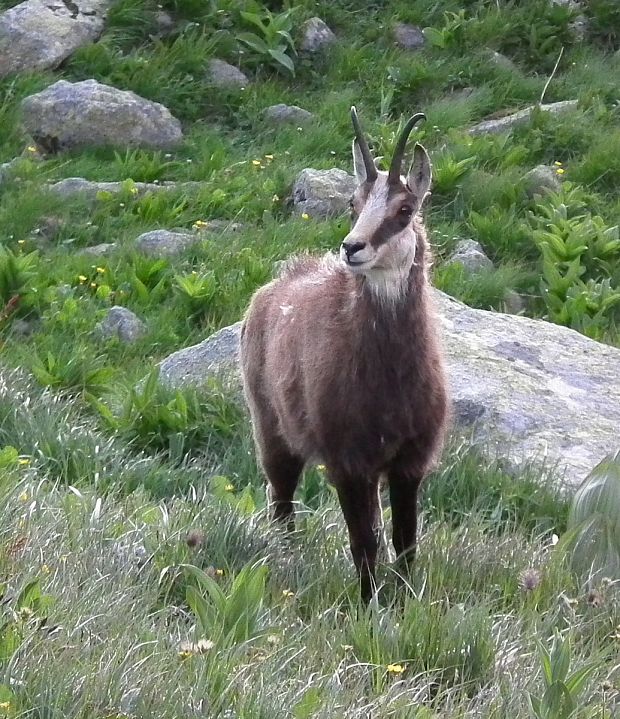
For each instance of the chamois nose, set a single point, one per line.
(350, 247)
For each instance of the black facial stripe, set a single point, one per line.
(388, 228)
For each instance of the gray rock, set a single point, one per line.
(471, 256)
(39, 34)
(223, 74)
(193, 366)
(72, 186)
(101, 250)
(526, 390)
(122, 323)
(284, 114)
(409, 37)
(164, 243)
(86, 114)
(517, 119)
(316, 35)
(323, 193)
(542, 179)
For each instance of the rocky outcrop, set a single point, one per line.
(517, 119)
(525, 390)
(86, 114)
(38, 34)
(323, 193)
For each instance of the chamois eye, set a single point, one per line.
(405, 210)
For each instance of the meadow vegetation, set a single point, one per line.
(138, 573)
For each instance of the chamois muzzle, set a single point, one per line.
(369, 165)
(399, 152)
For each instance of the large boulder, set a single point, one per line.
(517, 119)
(525, 390)
(38, 34)
(85, 114)
(408, 37)
(193, 366)
(323, 193)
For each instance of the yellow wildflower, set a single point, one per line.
(24, 497)
(31, 148)
(82, 278)
(185, 654)
(5, 706)
(287, 593)
(395, 668)
(21, 242)
(219, 572)
(256, 163)
(269, 157)
(229, 487)
(93, 284)
(134, 190)
(25, 613)
(23, 461)
(45, 569)
(275, 198)
(100, 270)
(320, 467)
(557, 163)
(199, 224)
(560, 171)
(305, 216)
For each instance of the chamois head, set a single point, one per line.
(382, 242)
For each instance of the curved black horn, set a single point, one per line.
(369, 165)
(399, 152)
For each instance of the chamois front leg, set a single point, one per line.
(404, 502)
(359, 499)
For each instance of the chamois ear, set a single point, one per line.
(419, 176)
(358, 164)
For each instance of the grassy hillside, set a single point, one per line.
(138, 573)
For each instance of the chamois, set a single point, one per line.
(342, 365)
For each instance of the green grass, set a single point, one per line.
(116, 492)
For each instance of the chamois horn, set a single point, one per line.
(369, 165)
(399, 152)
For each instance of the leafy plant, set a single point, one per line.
(175, 421)
(73, 369)
(580, 279)
(273, 44)
(451, 34)
(562, 690)
(196, 291)
(593, 541)
(448, 172)
(228, 617)
(17, 272)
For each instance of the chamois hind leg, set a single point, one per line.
(283, 470)
(359, 499)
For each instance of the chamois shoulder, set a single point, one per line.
(306, 265)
